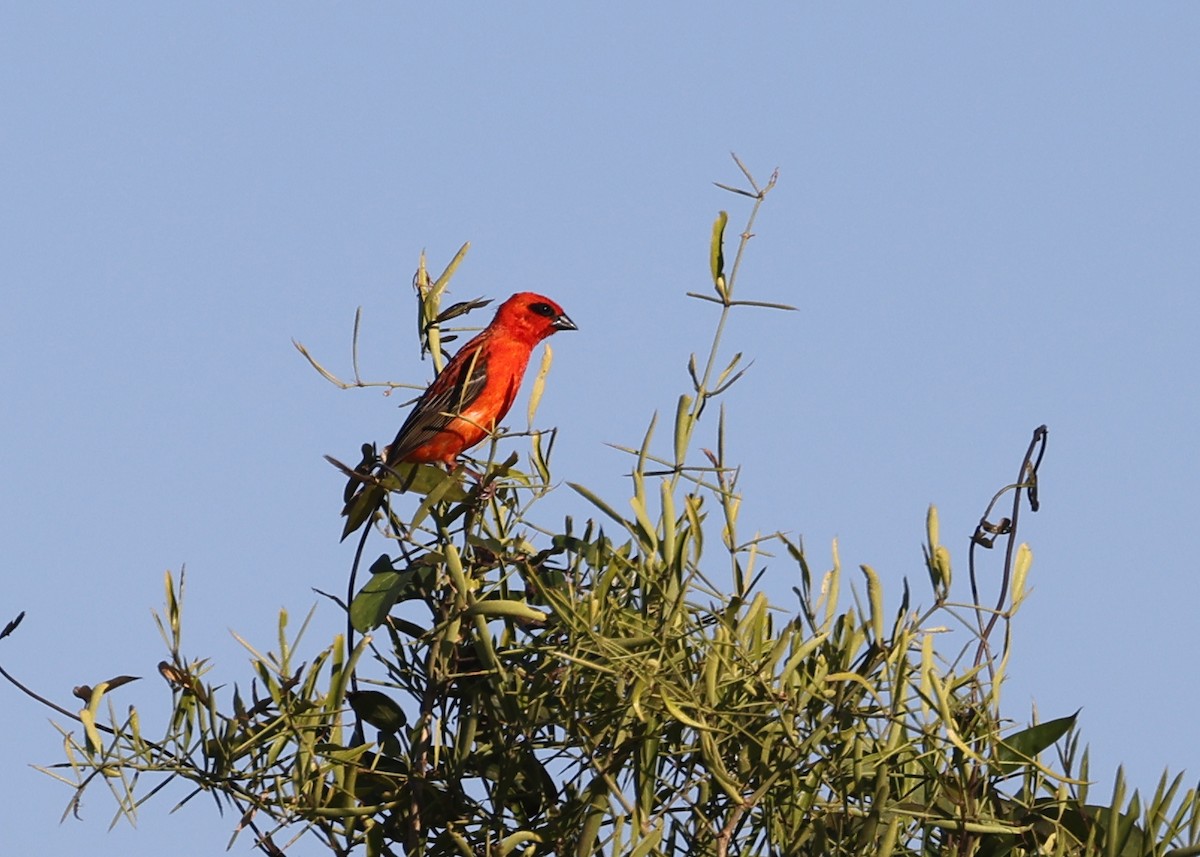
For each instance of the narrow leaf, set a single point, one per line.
(717, 254)
(684, 423)
(539, 383)
(875, 597)
(598, 503)
(444, 279)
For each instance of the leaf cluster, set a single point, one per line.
(623, 686)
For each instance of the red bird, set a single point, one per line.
(468, 398)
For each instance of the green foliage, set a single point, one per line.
(621, 686)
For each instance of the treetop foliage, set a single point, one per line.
(617, 683)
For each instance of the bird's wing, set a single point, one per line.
(452, 392)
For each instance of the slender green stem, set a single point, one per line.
(747, 233)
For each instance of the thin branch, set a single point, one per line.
(986, 531)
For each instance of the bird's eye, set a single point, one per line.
(544, 309)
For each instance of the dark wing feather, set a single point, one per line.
(452, 392)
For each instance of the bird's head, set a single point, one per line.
(532, 316)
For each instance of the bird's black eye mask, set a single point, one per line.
(544, 309)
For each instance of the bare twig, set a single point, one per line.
(987, 531)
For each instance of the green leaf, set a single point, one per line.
(595, 500)
(418, 478)
(448, 489)
(425, 479)
(374, 601)
(385, 589)
(378, 709)
(360, 508)
(88, 719)
(539, 383)
(684, 423)
(717, 253)
(875, 598)
(1018, 750)
(539, 457)
(506, 608)
(382, 565)
(443, 279)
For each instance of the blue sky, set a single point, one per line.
(986, 214)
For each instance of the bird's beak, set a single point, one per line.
(563, 322)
